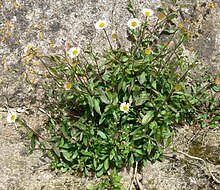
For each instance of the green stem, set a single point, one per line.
(45, 65)
(97, 66)
(108, 39)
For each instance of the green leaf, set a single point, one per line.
(167, 32)
(96, 106)
(154, 85)
(118, 160)
(140, 101)
(194, 89)
(88, 154)
(120, 84)
(63, 169)
(117, 179)
(30, 134)
(104, 99)
(124, 87)
(139, 151)
(55, 138)
(61, 143)
(64, 130)
(95, 162)
(124, 59)
(112, 154)
(75, 155)
(149, 147)
(56, 151)
(101, 134)
(115, 102)
(90, 102)
(67, 155)
(216, 88)
(213, 126)
(52, 70)
(99, 173)
(125, 97)
(153, 125)
(217, 118)
(142, 78)
(69, 97)
(21, 127)
(102, 119)
(148, 116)
(131, 160)
(106, 164)
(99, 167)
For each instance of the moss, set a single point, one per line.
(211, 153)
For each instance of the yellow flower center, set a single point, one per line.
(217, 81)
(101, 25)
(114, 36)
(178, 87)
(180, 25)
(147, 13)
(148, 51)
(134, 24)
(75, 52)
(13, 117)
(68, 86)
(125, 108)
(161, 16)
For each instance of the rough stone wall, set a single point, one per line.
(47, 25)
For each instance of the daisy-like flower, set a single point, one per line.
(124, 107)
(161, 16)
(180, 25)
(148, 51)
(67, 85)
(178, 87)
(12, 116)
(74, 52)
(147, 12)
(217, 81)
(101, 24)
(134, 23)
(114, 35)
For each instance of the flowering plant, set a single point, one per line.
(12, 116)
(117, 108)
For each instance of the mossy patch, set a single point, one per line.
(207, 152)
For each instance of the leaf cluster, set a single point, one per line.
(87, 130)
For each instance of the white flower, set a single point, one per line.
(12, 116)
(74, 52)
(124, 107)
(101, 24)
(147, 12)
(134, 23)
(67, 85)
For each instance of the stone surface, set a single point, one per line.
(47, 25)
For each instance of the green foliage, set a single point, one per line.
(89, 131)
(111, 181)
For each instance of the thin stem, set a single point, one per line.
(108, 39)
(97, 65)
(33, 131)
(174, 51)
(45, 65)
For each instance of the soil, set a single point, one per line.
(47, 25)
